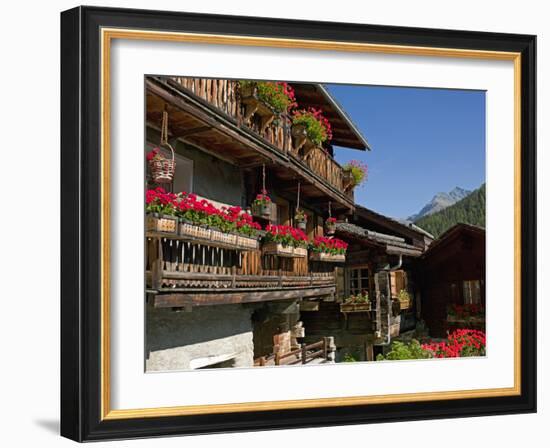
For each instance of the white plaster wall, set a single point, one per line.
(206, 335)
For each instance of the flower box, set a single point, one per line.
(347, 179)
(300, 139)
(222, 237)
(300, 252)
(355, 307)
(324, 256)
(216, 236)
(255, 106)
(273, 248)
(405, 304)
(189, 229)
(161, 223)
(247, 242)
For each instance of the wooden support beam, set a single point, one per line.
(188, 132)
(225, 298)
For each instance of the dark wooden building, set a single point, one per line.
(452, 273)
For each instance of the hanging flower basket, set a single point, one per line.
(330, 226)
(262, 205)
(155, 222)
(301, 219)
(261, 210)
(162, 169)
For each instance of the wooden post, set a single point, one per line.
(156, 265)
(277, 351)
(369, 351)
(234, 276)
(304, 353)
(325, 348)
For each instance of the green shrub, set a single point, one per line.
(400, 350)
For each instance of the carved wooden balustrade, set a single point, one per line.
(181, 265)
(223, 95)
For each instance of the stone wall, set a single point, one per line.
(210, 336)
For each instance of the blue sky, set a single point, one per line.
(423, 141)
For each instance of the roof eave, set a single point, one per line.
(353, 127)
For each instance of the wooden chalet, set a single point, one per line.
(450, 273)
(212, 304)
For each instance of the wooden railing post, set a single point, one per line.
(304, 353)
(277, 351)
(156, 268)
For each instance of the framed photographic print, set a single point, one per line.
(276, 224)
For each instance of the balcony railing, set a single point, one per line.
(175, 265)
(223, 95)
(316, 353)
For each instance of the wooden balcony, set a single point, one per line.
(209, 114)
(181, 273)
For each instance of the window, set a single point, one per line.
(358, 280)
(471, 291)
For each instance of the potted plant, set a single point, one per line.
(328, 249)
(267, 99)
(310, 129)
(354, 174)
(300, 218)
(160, 211)
(358, 303)
(404, 299)
(330, 226)
(284, 241)
(261, 206)
(161, 168)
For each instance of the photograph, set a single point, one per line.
(281, 223)
(303, 223)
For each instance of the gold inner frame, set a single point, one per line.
(107, 35)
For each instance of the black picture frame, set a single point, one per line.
(81, 224)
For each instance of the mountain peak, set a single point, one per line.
(459, 193)
(441, 201)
